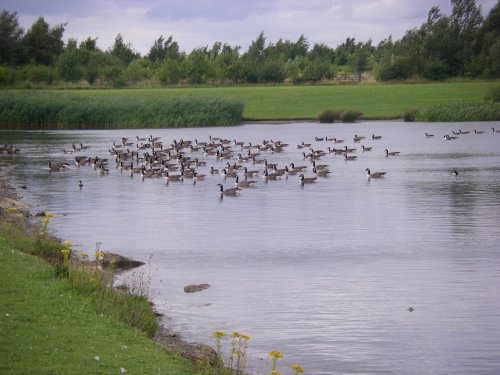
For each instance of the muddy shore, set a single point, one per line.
(11, 197)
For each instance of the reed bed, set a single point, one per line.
(457, 112)
(69, 110)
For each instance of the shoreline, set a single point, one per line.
(164, 337)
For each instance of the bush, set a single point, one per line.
(410, 115)
(436, 70)
(350, 116)
(328, 116)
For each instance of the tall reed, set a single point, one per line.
(456, 112)
(68, 110)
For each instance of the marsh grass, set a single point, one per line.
(37, 110)
(457, 112)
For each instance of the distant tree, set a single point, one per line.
(44, 44)
(89, 44)
(322, 52)
(124, 52)
(488, 45)
(11, 36)
(197, 67)
(361, 58)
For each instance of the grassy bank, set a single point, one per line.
(76, 110)
(50, 327)
(455, 112)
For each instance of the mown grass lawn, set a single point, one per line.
(375, 101)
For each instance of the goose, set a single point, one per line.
(463, 132)
(336, 151)
(57, 166)
(213, 170)
(454, 173)
(366, 148)
(321, 172)
(358, 138)
(102, 169)
(298, 168)
(495, 131)
(269, 165)
(349, 150)
(427, 135)
(376, 137)
(226, 173)
(230, 192)
(307, 180)
(393, 153)
(244, 184)
(80, 184)
(319, 166)
(270, 176)
(338, 140)
(249, 173)
(289, 172)
(82, 160)
(82, 147)
(375, 174)
(173, 177)
(478, 131)
(318, 139)
(198, 177)
(329, 139)
(448, 137)
(349, 158)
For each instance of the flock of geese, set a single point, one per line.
(242, 162)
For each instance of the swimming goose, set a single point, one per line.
(427, 135)
(366, 148)
(322, 172)
(298, 168)
(349, 150)
(319, 166)
(57, 166)
(478, 131)
(462, 132)
(198, 177)
(307, 180)
(230, 192)
(270, 176)
(454, 173)
(495, 131)
(226, 173)
(393, 153)
(173, 177)
(338, 140)
(318, 139)
(80, 184)
(375, 174)
(349, 158)
(448, 137)
(244, 184)
(376, 137)
(249, 173)
(213, 170)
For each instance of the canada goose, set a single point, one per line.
(57, 166)
(81, 160)
(244, 184)
(269, 165)
(80, 184)
(478, 131)
(302, 145)
(366, 148)
(319, 166)
(358, 138)
(173, 177)
(250, 173)
(427, 135)
(462, 132)
(318, 139)
(226, 173)
(393, 153)
(375, 174)
(321, 172)
(198, 177)
(349, 150)
(495, 131)
(289, 172)
(349, 158)
(338, 140)
(336, 151)
(307, 180)
(298, 168)
(230, 192)
(448, 137)
(270, 176)
(213, 170)
(454, 173)
(376, 137)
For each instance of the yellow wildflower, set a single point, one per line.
(218, 334)
(48, 214)
(244, 337)
(235, 334)
(275, 354)
(84, 255)
(274, 372)
(46, 220)
(297, 369)
(11, 209)
(99, 254)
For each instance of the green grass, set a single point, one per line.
(455, 112)
(49, 327)
(374, 101)
(136, 108)
(74, 110)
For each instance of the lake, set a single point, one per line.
(326, 272)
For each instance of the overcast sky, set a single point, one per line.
(196, 23)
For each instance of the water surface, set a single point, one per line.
(324, 273)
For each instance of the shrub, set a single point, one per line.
(328, 116)
(350, 116)
(410, 115)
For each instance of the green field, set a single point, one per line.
(375, 101)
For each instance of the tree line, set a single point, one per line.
(463, 44)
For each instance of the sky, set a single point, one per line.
(198, 23)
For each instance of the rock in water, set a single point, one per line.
(195, 288)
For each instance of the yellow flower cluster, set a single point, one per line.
(67, 243)
(237, 335)
(65, 252)
(84, 255)
(274, 372)
(297, 369)
(218, 334)
(49, 215)
(99, 255)
(275, 354)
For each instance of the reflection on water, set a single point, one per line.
(324, 272)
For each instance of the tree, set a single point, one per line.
(122, 51)
(44, 44)
(361, 58)
(11, 35)
(89, 44)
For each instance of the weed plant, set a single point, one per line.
(457, 112)
(37, 110)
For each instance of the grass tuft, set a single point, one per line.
(458, 112)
